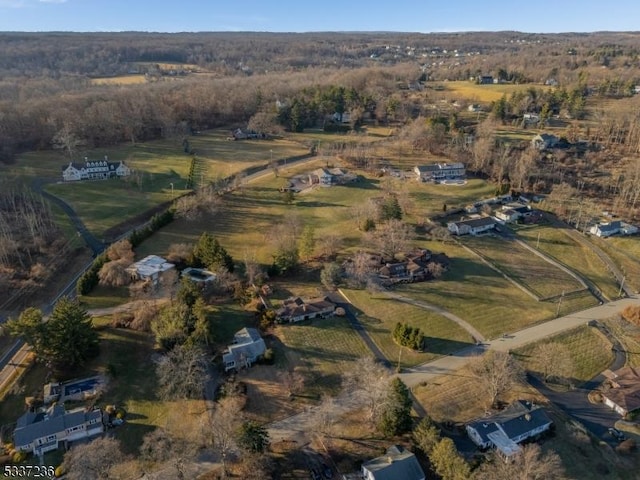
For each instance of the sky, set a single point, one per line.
(540, 16)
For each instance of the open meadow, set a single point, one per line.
(482, 297)
(555, 243)
(160, 173)
(485, 93)
(379, 315)
(589, 351)
(625, 252)
(321, 349)
(536, 274)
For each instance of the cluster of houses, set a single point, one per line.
(94, 170)
(437, 172)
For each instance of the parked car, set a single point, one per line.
(617, 434)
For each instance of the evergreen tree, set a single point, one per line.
(390, 209)
(396, 415)
(210, 254)
(447, 462)
(253, 437)
(308, 242)
(70, 338)
(29, 327)
(426, 435)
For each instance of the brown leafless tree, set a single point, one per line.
(497, 372)
(94, 460)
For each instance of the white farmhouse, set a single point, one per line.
(94, 170)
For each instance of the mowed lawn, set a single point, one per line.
(531, 271)
(161, 170)
(590, 353)
(574, 255)
(379, 314)
(323, 349)
(246, 218)
(625, 252)
(482, 297)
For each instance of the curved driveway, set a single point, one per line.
(92, 242)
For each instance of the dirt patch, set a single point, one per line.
(267, 399)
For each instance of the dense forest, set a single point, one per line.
(196, 81)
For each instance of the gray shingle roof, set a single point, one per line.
(515, 420)
(396, 464)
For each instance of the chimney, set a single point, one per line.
(106, 159)
(527, 417)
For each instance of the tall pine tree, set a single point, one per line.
(210, 254)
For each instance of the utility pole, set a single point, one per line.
(559, 304)
(621, 286)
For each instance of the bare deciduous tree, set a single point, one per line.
(161, 450)
(328, 245)
(292, 380)
(552, 360)
(115, 273)
(390, 238)
(94, 460)
(497, 372)
(529, 464)
(370, 381)
(182, 373)
(180, 252)
(121, 250)
(222, 430)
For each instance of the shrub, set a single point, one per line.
(19, 457)
(89, 279)
(631, 314)
(627, 446)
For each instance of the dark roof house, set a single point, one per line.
(396, 464)
(295, 309)
(624, 393)
(505, 430)
(41, 432)
(245, 350)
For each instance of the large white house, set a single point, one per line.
(149, 268)
(439, 171)
(94, 170)
(42, 432)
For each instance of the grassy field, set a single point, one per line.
(157, 166)
(629, 336)
(322, 348)
(486, 93)
(134, 79)
(625, 252)
(590, 353)
(579, 258)
(379, 314)
(479, 295)
(534, 273)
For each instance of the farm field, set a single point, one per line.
(590, 353)
(479, 295)
(579, 258)
(486, 93)
(133, 79)
(379, 315)
(322, 349)
(534, 273)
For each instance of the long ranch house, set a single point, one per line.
(94, 170)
